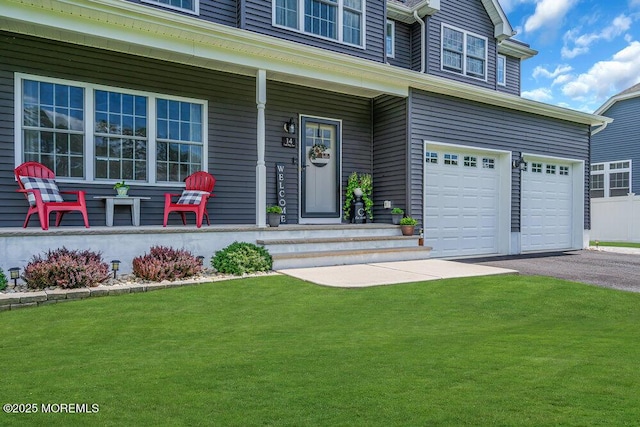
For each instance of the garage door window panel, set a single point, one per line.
(451, 159)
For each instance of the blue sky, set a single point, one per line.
(588, 50)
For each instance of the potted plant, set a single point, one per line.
(273, 215)
(407, 225)
(365, 184)
(122, 188)
(396, 215)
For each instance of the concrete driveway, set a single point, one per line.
(608, 269)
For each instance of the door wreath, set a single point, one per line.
(318, 155)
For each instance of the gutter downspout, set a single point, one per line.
(422, 40)
(599, 128)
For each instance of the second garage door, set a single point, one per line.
(462, 202)
(547, 205)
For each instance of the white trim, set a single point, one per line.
(302, 220)
(195, 11)
(504, 70)
(89, 142)
(503, 167)
(393, 38)
(465, 34)
(339, 24)
(578, 190)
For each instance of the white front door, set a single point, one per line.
(320, 171)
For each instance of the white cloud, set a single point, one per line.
(540, 94)
(634, 3)
(562, 79)
(540, 71)
(548, 13)
(606, 78)
(581, 43)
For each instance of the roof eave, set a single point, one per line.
(510, 48)
(135, 29)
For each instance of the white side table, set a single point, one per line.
(134, 202)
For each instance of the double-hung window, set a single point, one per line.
(341, 20)
(189, 6)
(100, 133)
(610, 179)
(464, 53)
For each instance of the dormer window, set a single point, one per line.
(464, 53)
(341, 20)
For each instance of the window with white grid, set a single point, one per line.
(464, 53)
(611, 179)
(340, 20)
(100, 133)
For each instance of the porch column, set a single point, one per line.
(261, 168)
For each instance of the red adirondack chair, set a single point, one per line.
(37, 183)
(199, 186)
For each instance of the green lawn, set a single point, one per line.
(616, 244)
(508, 350)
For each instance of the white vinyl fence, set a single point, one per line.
(616, 219)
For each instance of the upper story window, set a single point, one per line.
(390, 39)
(96, 133)
(190, 6)
(464, 53)
(341, 20)
(610, 179)
(501, 71)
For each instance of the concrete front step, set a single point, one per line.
(318, 244)
(297, 231)
(343, 257)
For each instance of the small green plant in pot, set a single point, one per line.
(408, 225)
(274, 213)
(396, 215)
(122, 188)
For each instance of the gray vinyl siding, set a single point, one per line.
(513, 76)
(443, 119)
(621, 139)
(403, 50)
(389, 155)
(416, 47)
(470, 16)
(232, 120)
(285, 101)
(219, 11)
(258, 18)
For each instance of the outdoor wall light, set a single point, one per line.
(14, 273)
(519, 164)
(115, 266)
(200, 259)
(290, 126)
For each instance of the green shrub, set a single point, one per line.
(163, 263)
(240, 257)
(274, 209)
(3, 280)
(66, 269)
(397, 211)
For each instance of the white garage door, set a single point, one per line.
(461, 203)
(546, 206)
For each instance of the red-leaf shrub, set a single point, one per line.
(66, 269)
(163, 263)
